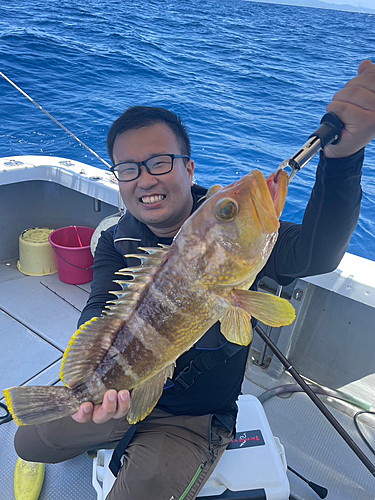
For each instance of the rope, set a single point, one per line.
(52, 118)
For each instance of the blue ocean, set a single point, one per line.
(250, 80)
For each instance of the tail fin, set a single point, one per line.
(38, 404)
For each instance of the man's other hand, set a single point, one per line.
(355, 106)
(115, 405)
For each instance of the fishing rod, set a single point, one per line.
(54, 119)
(328, 133)
(307, 389)
(120, 206)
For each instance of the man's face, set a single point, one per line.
(162, 202)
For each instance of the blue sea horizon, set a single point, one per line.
(250, 80)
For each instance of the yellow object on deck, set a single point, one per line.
(36, 254)
(28, 480)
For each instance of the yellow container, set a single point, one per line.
(37, 257)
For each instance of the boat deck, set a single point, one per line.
(38, 315)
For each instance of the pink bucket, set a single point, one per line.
(73, 254)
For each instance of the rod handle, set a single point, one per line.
(329, 131)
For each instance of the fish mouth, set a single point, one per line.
(152, 199)
(267, 196)
(278, 188)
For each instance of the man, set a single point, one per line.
(175, 449)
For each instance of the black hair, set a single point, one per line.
(142, 116)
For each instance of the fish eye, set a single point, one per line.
(226, 210)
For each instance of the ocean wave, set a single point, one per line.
(250, 80)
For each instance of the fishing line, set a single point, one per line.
(297, 377)
(54, 119)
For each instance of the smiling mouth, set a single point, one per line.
(150, 200)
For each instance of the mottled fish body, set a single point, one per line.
(173, 298)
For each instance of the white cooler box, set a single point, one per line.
(253, 467)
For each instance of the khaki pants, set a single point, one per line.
(169, 458)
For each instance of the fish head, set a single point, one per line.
(232, 234)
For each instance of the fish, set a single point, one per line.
(168, 302)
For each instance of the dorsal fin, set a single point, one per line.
(93, 339)
(153, 256)
(142, 275)
(86, 349)
(160, 249)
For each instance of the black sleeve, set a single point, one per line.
(107, 261)
(318, 244)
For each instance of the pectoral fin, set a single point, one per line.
(145, 396)
(236, 326)
(269, 309)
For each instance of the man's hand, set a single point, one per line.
(355, 106)
(115, 405)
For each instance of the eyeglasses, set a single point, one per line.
(156, 165)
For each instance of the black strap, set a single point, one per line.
(115, 463)
(206, 360)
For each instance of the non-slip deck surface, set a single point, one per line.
(38, 317)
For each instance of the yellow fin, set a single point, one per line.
(9, 403)
(93, 339)
(269, 309)
(87, 348)
(31, 405)
(236, 326)
(145, 396)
